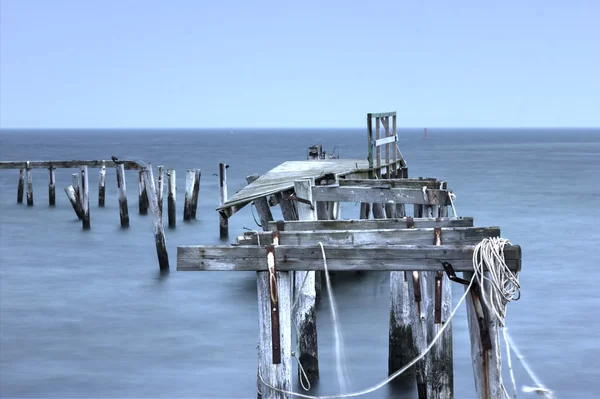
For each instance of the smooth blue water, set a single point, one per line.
(86, 314)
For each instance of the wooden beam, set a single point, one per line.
(385, 140)
(367, 224)
(422, 236)
(392, 183)
(339, 258)
(381, 114)
(380, 195)
(129, 165)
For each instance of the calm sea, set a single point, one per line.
(86, 314)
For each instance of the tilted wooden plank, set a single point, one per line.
(380, 195)
(342, 258)
(130, 165)
(374, 224)
(392, 183)
(385, 140)
(422, 236)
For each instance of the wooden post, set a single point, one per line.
(305, 315)
(85, 199)
(365, 210)
(485, 345)
(323, 211)
(20, 186)
(378, 211)
(51, 187)
(262, 206)
(102, 185)
(196, 192)
(157, 226)
(223, 220)
(190, 176)
(171, 197)
(29, 186)
(143, 194)
(74, 200)
(160, 189)
(121, 185)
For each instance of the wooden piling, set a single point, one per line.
(122, 186)
(73, 196)
(262, 206)
(160, 188)
(365, 210)
(143, 194)
(157, 226)
(190, 177)
(102, 185)
(75, 183)
(29, 185)
(223, 220)
(196, 192)
(85, 198)
(51, 187)
(20, 186)
(304, 281)
(378, 211)
(172, 197)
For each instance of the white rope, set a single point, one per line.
(452, 197)
(393, 376)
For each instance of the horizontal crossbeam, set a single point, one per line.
(385, 140)
(340, 258)
(380, 195)
(426, 236)
(381, 114)
(367, 224)
(130, 165)
(392, 183)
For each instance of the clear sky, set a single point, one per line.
(220, 63)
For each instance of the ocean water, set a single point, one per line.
(86, 314)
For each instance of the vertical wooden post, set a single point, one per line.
(51, 187)
(20, 186)
(172, 197)
(223, 220)
(75, 183)
(262, 206)
(85, 199)
(102, 185)
(365, 210)
(378, 148)
(122, 186)
(378, 211)
(73, 197)
(305, 315)
(323, 211)
(29, 186)
(196, 192)
(143, 194)
(157, 226)
(160, 189)
(190, 177)
(370, 139)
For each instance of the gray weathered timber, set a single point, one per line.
(143, 195)
(373, 224)
(487, 363)
(305, 316)
(122, 187)
(196, 192)
(172, 197)
(157, 226)
(378, 210)
(20, 186)
(127, 164)
(190, 178)
(262, 206)
(379, 195)
(102, 185)
(277, 375)
(414, 236)
(223, 219)
(84, 194)
(420, 314)
(365, 210)
(51, 187)
(414, 183)
(368, 257)
(401, 346)
(29, 185)
(160, 188)
(73, 199)
(288, 208)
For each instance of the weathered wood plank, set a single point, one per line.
(223, 219)
(381, 114)
(374, 224)
(309, 258)
(51, 187)
(190, 178)
(262, 206)
(29, 185)
(385, 140)
(157, 226)
(73, 199)
(430, 183)
(380, 195)
(143, 195)
(20, 186)
(415, 236)
(160, 188)
(172, 197)
(85, 198)
(70, 164)
(122, 187)
(102, 185)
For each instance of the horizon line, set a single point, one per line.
(285, 127)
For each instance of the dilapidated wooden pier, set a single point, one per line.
(422, 253)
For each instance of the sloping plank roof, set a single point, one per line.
(282, 178)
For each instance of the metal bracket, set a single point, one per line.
(275, 335)
(452, 274)
(293, 197)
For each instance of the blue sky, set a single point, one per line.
(185, 63)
